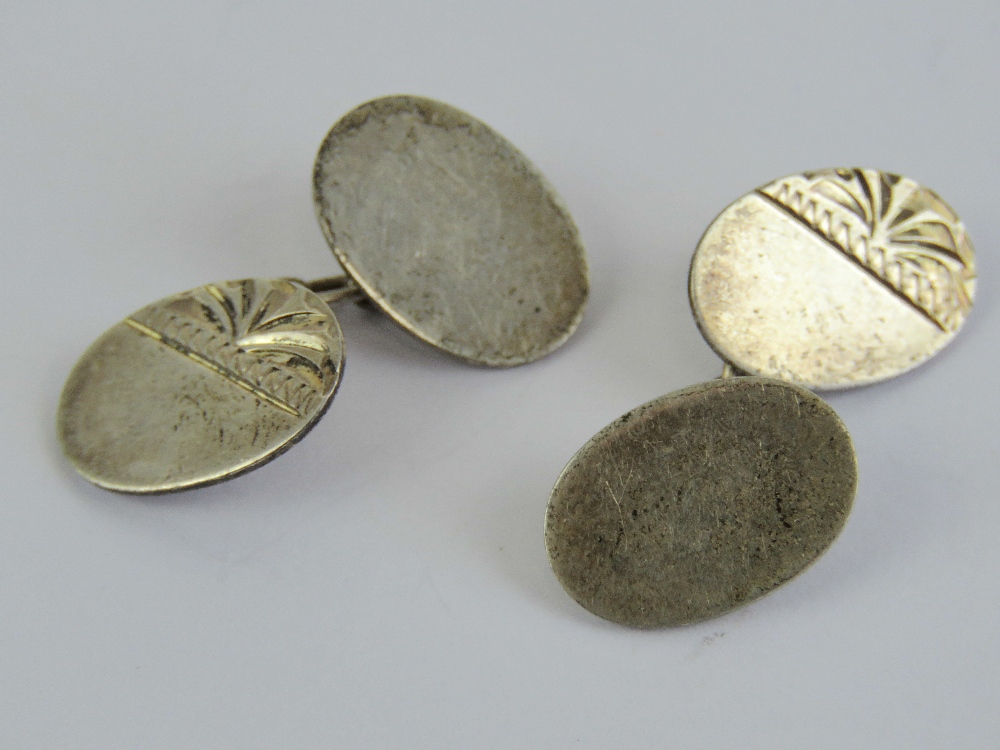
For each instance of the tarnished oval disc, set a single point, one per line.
(833, 279)
(700, 501)
(201, 386)
(451, 231)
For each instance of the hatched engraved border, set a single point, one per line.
(898, 232)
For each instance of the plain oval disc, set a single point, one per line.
(201, 386)
(833, 279)
(700, 501)
(451, 231)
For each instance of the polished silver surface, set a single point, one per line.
(201, 386)
(451, 231)
(833, 279)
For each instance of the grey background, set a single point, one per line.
(384, 584)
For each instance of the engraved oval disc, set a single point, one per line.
(833, 279)
(450, 230)
(201, 386)
(700, 501)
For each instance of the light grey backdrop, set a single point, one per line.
(385, 584)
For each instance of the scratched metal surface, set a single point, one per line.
(451, 231)
(833, 279)
(201, 386)
(385, 584)
(700, 501)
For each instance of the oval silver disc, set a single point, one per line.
(201, 386)
(833, 279)
(700, 501)
(451, 231)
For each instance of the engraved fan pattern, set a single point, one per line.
(898, 231)
(264, 336)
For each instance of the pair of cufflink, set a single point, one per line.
(685, 508)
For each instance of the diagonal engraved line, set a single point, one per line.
(215, 367)
(851, 257)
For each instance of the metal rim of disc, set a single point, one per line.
(450, 231)
(833, 279)
(201, 387)
(700, 502)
